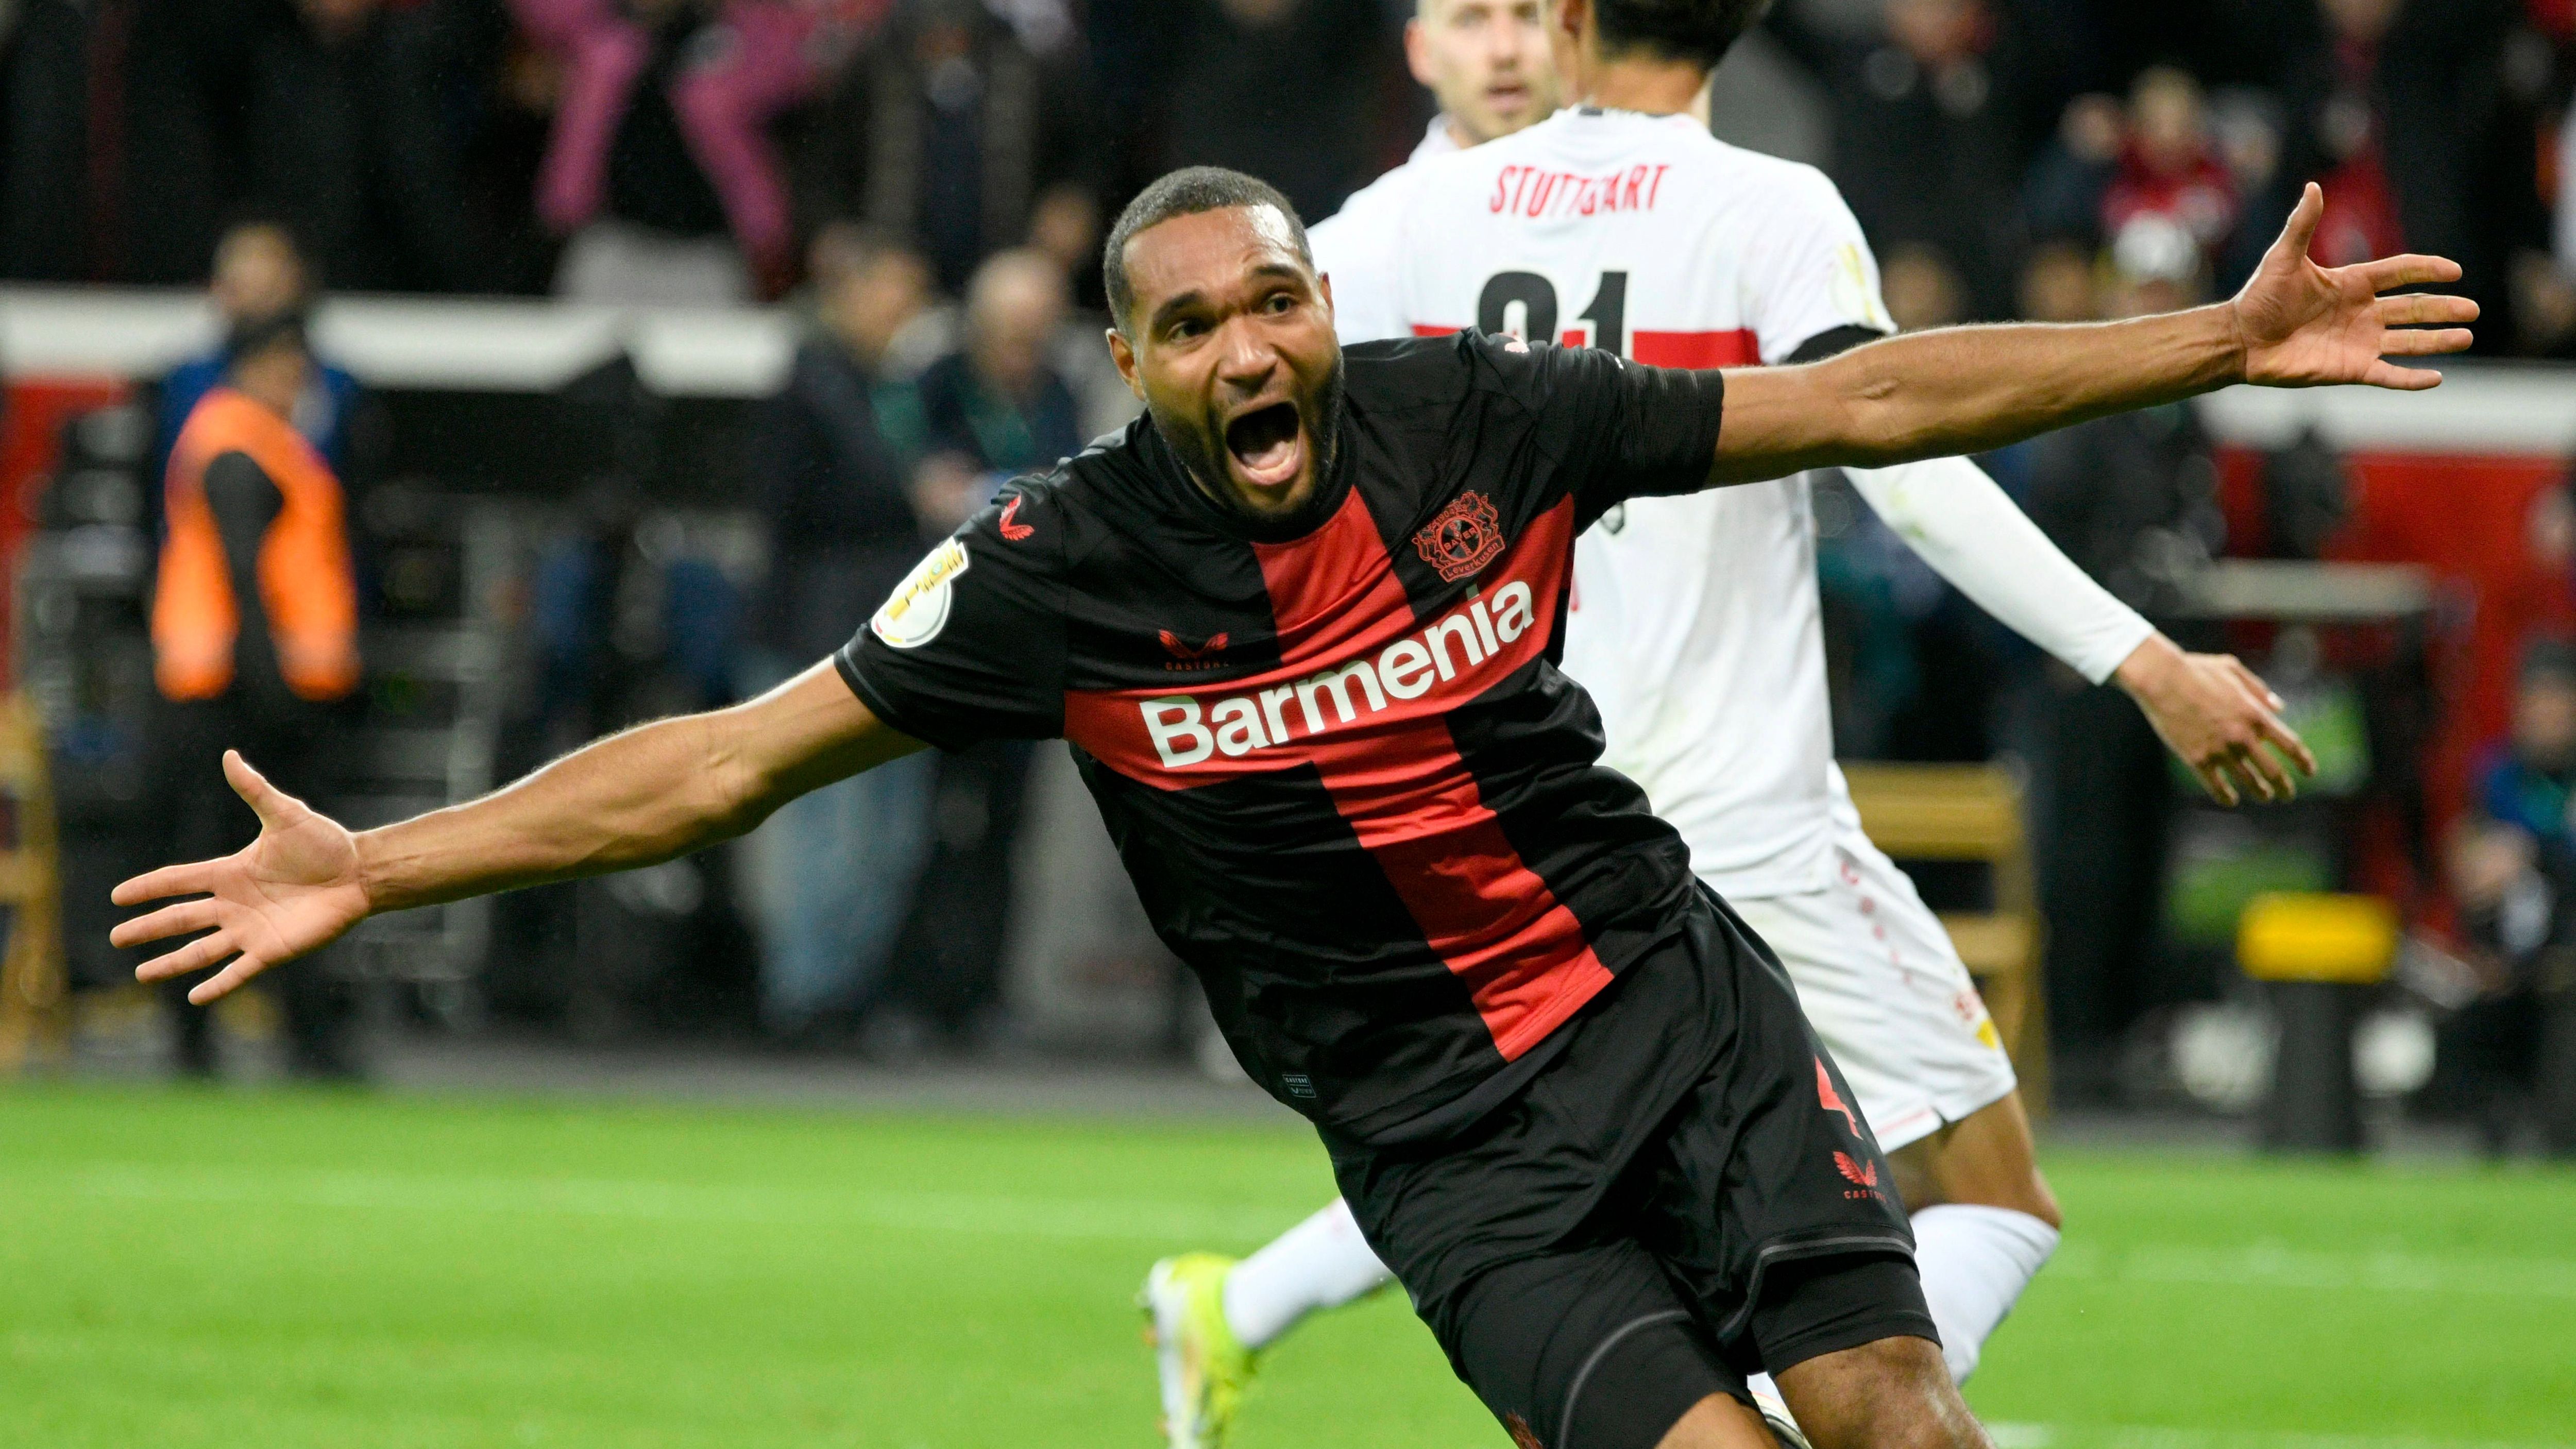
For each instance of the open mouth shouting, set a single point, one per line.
(1268, 446)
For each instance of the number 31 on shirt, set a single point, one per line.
(1524, 305)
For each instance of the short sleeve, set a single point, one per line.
(1357, 249)
(1616, 429)
(970, 646)
(1808, 270)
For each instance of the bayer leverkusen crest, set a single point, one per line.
(1466, 536)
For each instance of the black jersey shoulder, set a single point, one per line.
(1440, 374)
(1148, 581)
(1454, 377)
(1410, 371)
(1094, 492)
(1524, 425)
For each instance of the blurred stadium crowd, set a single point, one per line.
(925, 181)
(692, 149)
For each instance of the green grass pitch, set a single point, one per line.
(286, 1269)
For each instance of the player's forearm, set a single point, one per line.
(1964, 390)
(633, 799)
(1967, 389)
(1974, 536)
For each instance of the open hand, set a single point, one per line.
(294, 889)
(2304, 325)
(2218, 718)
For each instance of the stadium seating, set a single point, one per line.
(32, 993)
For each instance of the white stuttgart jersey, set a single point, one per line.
(1696, 624)
(1355, 245)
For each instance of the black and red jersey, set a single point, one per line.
(1354, 791)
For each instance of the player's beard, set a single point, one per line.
(1204, 453)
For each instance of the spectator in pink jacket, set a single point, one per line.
(661, 171)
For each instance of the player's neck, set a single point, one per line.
(1653, 87)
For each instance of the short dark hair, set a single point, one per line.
(1695, 30)
(1186, 192)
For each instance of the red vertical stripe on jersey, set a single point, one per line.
(1414, 804)
(1738, 348)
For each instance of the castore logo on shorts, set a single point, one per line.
(1862, 1175)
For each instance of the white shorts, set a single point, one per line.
(1884, 987)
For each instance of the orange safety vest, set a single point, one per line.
(306, 585)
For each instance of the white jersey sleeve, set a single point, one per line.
(1973, 535)
(1809, 273)
(1359, 250)
(1807, 269)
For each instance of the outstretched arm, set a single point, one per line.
(2209, 709)
(637, 798)
(1969, 389)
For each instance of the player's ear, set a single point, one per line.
(1417, 52)
(1324, 286)
(1571, 16)
(1124, 354)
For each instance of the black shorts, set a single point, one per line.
(1681, 1197)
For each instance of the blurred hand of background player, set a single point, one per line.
(2217, 716)
(2303, 325)
(294, 889)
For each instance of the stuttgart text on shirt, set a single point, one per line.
(1538, 191)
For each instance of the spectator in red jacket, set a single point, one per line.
(2170, 167)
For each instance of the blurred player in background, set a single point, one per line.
(1696, 624)
(260, 275)
(254, 637)
(1489, 65)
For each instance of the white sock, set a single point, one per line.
(1322, 1262)
(1975, 1261)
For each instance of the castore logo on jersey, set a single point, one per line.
(1189, 656)
(1014, 532)
(1832, 1100)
